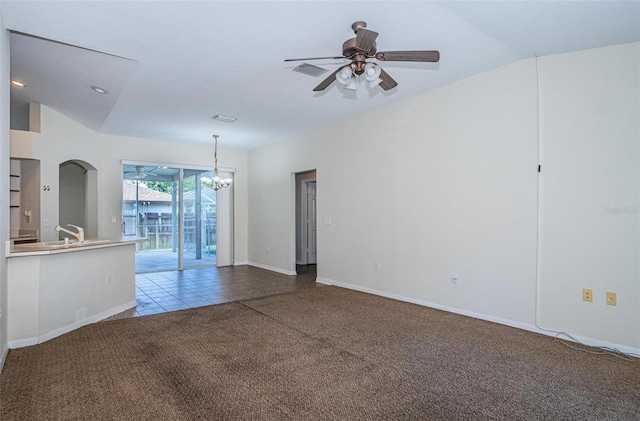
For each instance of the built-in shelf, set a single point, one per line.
(24, 190)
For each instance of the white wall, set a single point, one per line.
(443, 183)
(62, 139)
(4, 181)
(590, 185)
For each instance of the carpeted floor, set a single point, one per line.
(317, 354)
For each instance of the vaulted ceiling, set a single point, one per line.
(170, 66)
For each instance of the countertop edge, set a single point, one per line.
(123, 241)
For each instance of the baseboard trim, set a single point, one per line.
(272, 268)
(243, 263)
(511, 323)
(20, 343)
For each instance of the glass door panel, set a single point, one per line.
(149, 210)
(199, 220)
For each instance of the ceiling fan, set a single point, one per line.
(139, 174)
(362, 48)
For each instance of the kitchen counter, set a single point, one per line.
(54, 288)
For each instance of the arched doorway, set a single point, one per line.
(78, 196)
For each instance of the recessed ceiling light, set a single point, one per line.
(100, 90)
(18, 83)
(224, 118)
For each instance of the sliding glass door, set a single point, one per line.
(177, 213)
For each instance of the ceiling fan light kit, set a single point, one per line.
(362, 48)
(345, 77)
(372, 74)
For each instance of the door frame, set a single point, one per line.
(304, 228)
(297, 185)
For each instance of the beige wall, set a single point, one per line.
(590, 220)
(446, 183)
(62, 139)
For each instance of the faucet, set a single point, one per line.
(79, 235)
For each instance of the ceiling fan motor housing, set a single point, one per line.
(349, 49)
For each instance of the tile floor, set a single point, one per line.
(161, 292)
(153, 261)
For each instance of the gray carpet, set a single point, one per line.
(317, 354)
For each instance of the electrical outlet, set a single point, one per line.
(108, 279)
(612, 298)
(454, 279)
(587, 294)
(377, 267)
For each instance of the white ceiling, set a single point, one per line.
(170, 66)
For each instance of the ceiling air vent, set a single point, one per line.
(310, 69)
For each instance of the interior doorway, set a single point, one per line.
(77, 197)
(306, 218)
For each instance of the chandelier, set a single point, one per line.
(217, 182)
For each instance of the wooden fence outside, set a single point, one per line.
(159, 229)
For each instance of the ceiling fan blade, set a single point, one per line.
(427, 56)
(328, 81)
(135, 176)
(365, 40)
(314, 58)
(387, 81)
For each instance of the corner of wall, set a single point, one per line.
(4, 175)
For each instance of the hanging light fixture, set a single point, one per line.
(217, 182)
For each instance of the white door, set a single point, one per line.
(312, 253)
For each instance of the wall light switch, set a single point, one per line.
(46, 222)
(327, 220)
(113, 219)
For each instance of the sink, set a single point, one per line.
(87, 243)
(42, 245)
(58, 244)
